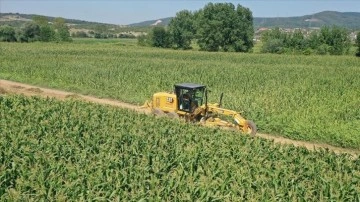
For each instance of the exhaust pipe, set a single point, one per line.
(206, 101)
(221, 97)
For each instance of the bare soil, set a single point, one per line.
(11, 87)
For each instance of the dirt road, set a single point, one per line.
(30, 90)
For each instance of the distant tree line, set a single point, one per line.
(37, 30)
(328, 40)
(358, 44)
(216, 27)
(224, 27)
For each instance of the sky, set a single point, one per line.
(123, 12)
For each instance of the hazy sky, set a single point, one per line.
(132, 11)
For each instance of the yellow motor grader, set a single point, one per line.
(189, 101)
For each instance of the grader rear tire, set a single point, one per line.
(251, 128)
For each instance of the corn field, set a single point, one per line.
(75, 151)
(313, 98)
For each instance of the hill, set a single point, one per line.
(162, 21)
(350, 20)
(18, 19)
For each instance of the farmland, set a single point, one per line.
(72, 150)
(313, 98)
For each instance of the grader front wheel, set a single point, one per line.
(249, 128)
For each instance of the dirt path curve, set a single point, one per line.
(30, 90)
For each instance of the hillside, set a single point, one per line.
(349, 20)
(18, 19)
(162, 21)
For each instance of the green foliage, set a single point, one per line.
(333, 41)
(30, 32)
(222, 27)
(7, 33)
(298, 41)
(99, 35)
(160, 37)
(126, 36)
(144, 40)
(62, 30)
(336, 38)
(322, 49)
(101, 28)
(312, 97)
(80, 34)
(307, 51)
(358, 44)
(275, 33)
(63, 34)
(217, 27)
(41, 30)
(75, 151)
(246, 31)
(273, 46)
(274, 41)
(101, 31)
(47, 33)
(40, 20)
(314, 40)
(182, 30)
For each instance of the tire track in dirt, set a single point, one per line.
(11, 87)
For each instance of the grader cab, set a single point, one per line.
(189, 101)
(189, 96)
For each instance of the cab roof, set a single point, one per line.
(189, 85)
